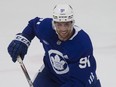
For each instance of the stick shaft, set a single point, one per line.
(25, 71)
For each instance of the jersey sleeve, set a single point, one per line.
(86, 43)
(29, 30)
(39, 27)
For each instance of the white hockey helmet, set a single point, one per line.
(63, 13)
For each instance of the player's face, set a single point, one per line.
(64, 30)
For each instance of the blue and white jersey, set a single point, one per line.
(67, 60)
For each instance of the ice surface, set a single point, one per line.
(96, 17)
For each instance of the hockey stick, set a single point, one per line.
(25, 71)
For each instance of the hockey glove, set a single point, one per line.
(18, 47)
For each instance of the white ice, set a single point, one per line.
(96, 17)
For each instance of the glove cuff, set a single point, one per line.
(23, 40)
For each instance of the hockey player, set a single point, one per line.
(68, 60)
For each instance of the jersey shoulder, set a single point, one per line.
(83, 38)
(45, 23)
(38, 20)
(43, 27)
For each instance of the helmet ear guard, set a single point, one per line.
(63, 13)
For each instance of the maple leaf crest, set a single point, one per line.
(57, 62)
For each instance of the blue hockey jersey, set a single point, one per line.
(70, 60)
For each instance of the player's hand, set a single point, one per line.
(18, 47)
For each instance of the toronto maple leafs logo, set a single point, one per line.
(58, 62)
